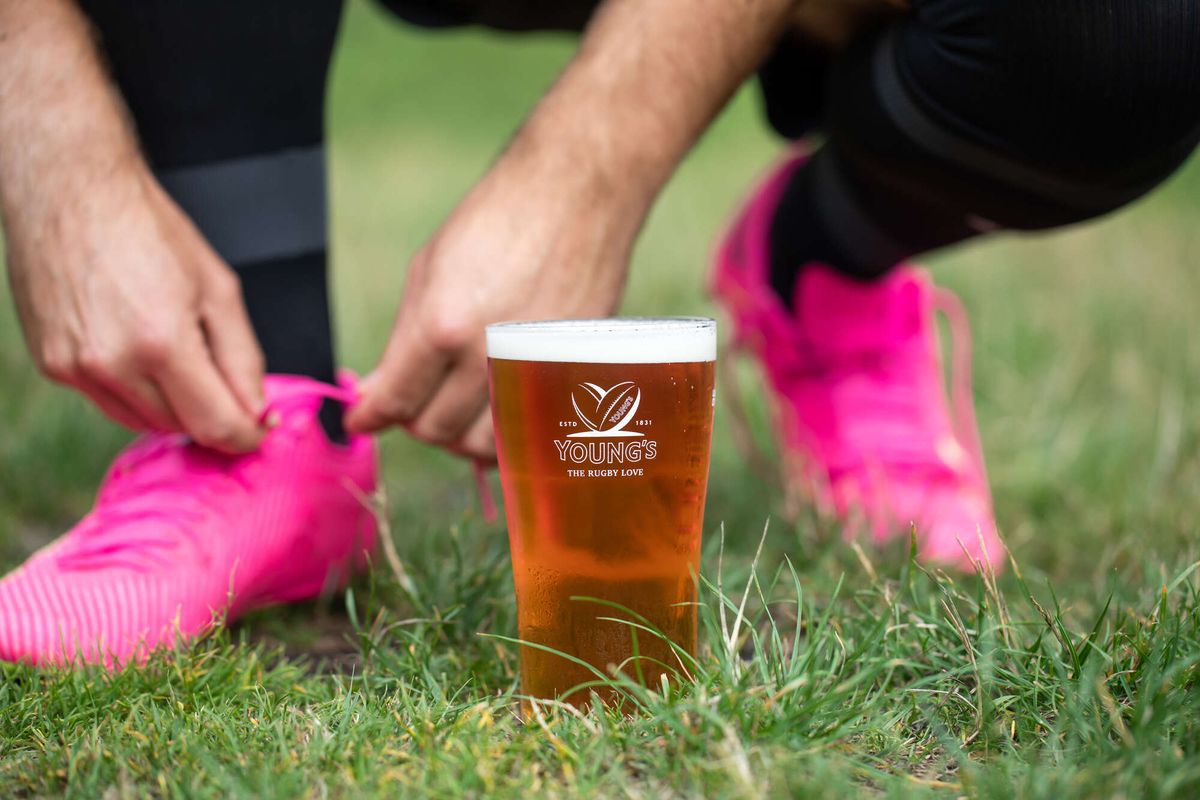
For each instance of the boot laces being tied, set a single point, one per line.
(136, 490)
(181, 535)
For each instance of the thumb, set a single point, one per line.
(233, 345)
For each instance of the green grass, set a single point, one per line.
(846, 674)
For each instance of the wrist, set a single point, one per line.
(64, 129)
(83, 180)
(585, 170)
(72, 204)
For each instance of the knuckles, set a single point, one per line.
(225, 287)
(146, 353)
(151, 351)
(97, 364)
(57, 364)
(450, 333)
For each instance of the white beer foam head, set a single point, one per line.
(617, 340)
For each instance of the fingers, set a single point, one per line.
(112, 406)
(479, 442)
(458, 403)
(235, 349)
(114, 380)
(204, 404)
(171, 383)
(166, 389)
(147, 400)
(409, 373)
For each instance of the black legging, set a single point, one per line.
(961, 117)
(972, 115)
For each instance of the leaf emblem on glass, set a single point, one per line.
(606, 410)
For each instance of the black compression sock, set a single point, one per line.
(854, 222)
(288, 302)
(797, 235)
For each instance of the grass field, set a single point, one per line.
(1075, 676)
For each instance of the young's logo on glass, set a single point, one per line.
(606, 413)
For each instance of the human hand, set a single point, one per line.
(547, 233)
(526, 243)
(120, 297)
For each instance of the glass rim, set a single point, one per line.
(623, 325)
(616, 340)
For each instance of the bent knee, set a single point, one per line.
(1080, 87)
(1045, 113)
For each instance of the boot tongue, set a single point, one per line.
(839, 316)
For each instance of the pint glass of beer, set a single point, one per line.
(603, 430)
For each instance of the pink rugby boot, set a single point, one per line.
(856, 376)
(181, 535)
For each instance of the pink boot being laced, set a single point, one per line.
(856, 376)
(180, 536)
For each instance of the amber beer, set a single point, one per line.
(603, 430)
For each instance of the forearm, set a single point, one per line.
(62, 123)
(649, 77)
